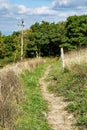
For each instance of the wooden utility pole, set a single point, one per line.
(22, 42)
(62, 57)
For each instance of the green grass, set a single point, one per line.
(73, 86)
(33, 109)
(5, 61)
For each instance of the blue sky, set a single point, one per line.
(12, 11)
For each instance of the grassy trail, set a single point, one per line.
(42, 110)
(35, 107)
(57, 117)
(67, 84)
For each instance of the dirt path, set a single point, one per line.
(57, 117)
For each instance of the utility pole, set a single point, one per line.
(22, 42)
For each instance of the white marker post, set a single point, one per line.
(62, 57)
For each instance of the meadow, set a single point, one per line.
(71, 83)
(22, 105)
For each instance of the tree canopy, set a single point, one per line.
(45, 39)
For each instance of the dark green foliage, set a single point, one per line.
(45, 39)
(8, 46)
(77, 30)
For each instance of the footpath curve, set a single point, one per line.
(57, 117)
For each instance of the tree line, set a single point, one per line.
(45, 39)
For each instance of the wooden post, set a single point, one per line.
(62, 57)
(37, 54)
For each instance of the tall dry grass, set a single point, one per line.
(10, 96)
(11, 91)
(76, 58)
(19, 67)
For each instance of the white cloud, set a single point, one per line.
(59, 9)
(13, 10)
(69, 7)
(23, 10)
(43, 10)
(3, 4)
(60, 2)
(69, 3)
(10, 10)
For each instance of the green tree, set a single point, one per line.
(2, 46)
(8, 46)
(46, 38)
(77, 30)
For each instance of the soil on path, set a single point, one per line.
(57, 117)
